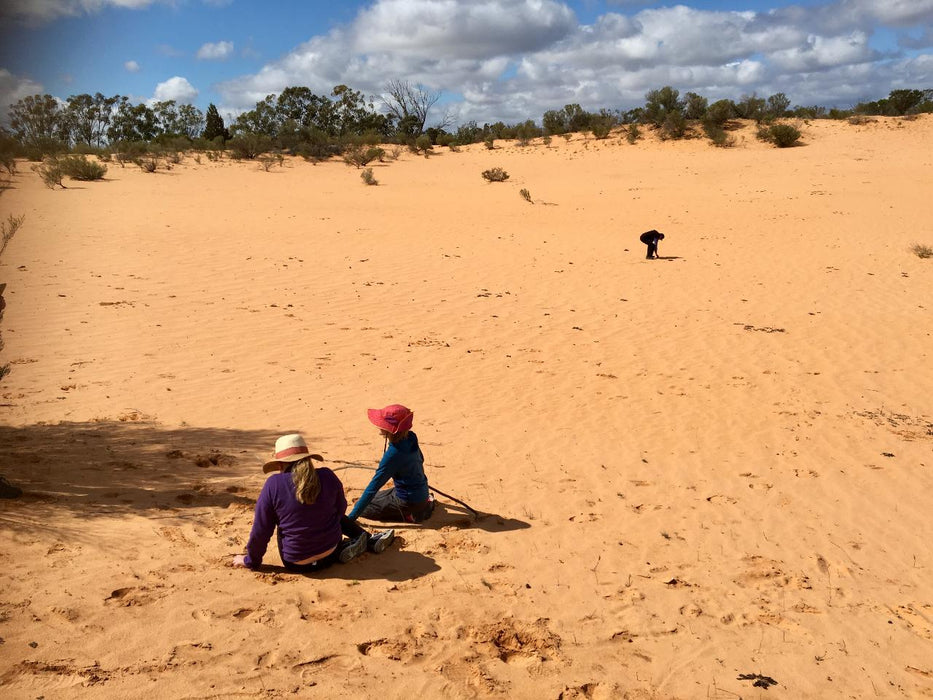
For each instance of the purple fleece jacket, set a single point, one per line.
(304, 530)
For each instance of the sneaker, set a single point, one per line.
(381, 540)
(355, 548)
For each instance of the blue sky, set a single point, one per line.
(493, 59)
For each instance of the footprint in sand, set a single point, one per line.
(392, 649)
(132, 595)
(175, 536)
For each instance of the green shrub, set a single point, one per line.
(78, 167)
(129, 151)
(423, 144)
(43, 147)
(784, 135)
(717, 135)
(490, 142)
(495, 175)
(247, 146)
(633, 133)
(361, 155)
(921, 251)
(368, 177)
(51, 173)
(674, 126)
(526, 195)
(546, 139)
(601, 128)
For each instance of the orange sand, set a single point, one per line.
(714, 464)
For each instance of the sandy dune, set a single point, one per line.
(694, 469)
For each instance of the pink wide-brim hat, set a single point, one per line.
(394, 419)
(289, 448)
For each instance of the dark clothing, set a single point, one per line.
(350, 528)
(387, 507)
(404, 464)
(651, 238)
(304, 530)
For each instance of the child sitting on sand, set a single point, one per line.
(409, 500)
(308, 507)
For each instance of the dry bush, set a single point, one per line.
(495, 175)
(267, 160)
(359, 156)
(368, 177)
(9, 228)
(51, 173)
(921, 251)
(148, 164)
(526, 195)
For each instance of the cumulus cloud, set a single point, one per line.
(511, 59)
(131, 66)
(463, 30)
(14, 88)
(177, 88)
(216, 51)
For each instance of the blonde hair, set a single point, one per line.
(307, 483)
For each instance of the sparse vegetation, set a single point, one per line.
(526, 195)
(51, 173)
(9, 228)
(149, 164)
(495, 175)
(360, 155)
(267, 160)
(490, 142)
(368, 177)
(922, 251)
(717, 135)
(633, 133)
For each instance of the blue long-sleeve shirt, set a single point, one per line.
(305, 530)
(404, 464)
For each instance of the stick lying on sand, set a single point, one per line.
(357, 465)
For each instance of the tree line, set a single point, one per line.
(300, 122)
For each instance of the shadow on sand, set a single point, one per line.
(106, 469)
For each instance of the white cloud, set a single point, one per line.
(216, 51)
(512, 59)
(177, 88)
(14, 88)
(131, 66)
(471, 30)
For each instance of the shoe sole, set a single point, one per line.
(383, 541)
(353, 549)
